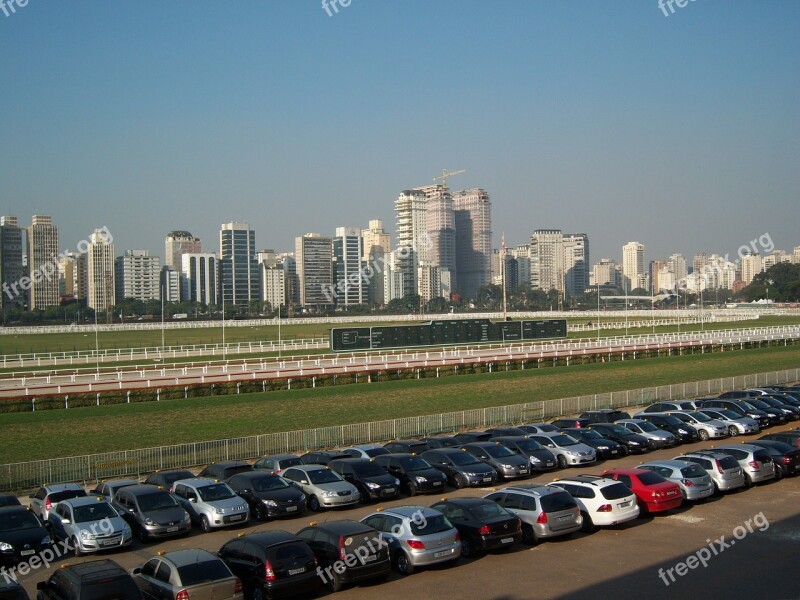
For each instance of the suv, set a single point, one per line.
(47, 497)
(184, 574)
(724, 469)
(540, 458)
(506, 463)
(21, 535)
(372, 481)
(225, 469)
(755, 461)
(211, 503)
(603, 502)
(151, 512)
(605, 415)
(272, 563)
(323, 488)
(685, 433)
(277, 463)
(88, 581)
(347, 552)
(89, 525)
(462, 469)
(418, 536)
(416, 474)
(545, 512)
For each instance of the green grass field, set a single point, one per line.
(46, 434)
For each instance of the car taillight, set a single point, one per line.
(754, 464)
(605, 508)
(519, 524)
(485, 530)
(415, 544)
(687, 483)
(277, 471)
(342, 552)
(458, 537)
(719, 466)
(787, 460)
(542, 518)
(237, 586)
(269, 572)
(658, 494)
(47, 505)
(182, 595)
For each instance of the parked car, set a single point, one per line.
(372, 481)
(47, 497)
(573, 423)
(322, 458)
(89, 580)
(440, 441)
(323, 488)
(567, 450)
(539, 428)
(539, 457)
(418, 536)
(759, 416)
(785, 457)
(366, 451)
(495, 432)
(272, 564)
(89, 524)
(277, 463)
(268, 496)
(684, 432)
(151, 512)
(605, 415)
(225, 469)
(724, 470)
(506, 463)
(335, 542)
(739, 394)
(656, 438)
(603, 502)
(11, 590)
(545, 512)
(416, 475)
(9, 500)
(604, 448)
(791, 437)
(633, 442)
(22, 535)
(792, 413)
(707, 428)
(662, 407)
(469, 437)
(777, 416)
(736, 423)
(462, 469)
(694, 482)
(482, 524)
(108, 489)
(406, 446)
(756, 462)
(184, 574)
(167, 477)
(210, 503)
(653, 492)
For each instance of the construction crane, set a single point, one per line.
(445, 174)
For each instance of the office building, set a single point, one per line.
(137, 276)
(176, 245)
(576, 263)
(314, 263)
(547, 260)
(377, 246)
(198, 276)
(412, 238)
(42, 262)
(12, 269)
(441, 233)
(100, 262)
(349, 267)
(239, 272)
(472, 211)
(633, 273)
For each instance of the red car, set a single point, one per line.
(654, 493)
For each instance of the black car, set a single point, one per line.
(462, 469)
(686, 433)
(495, 432)
(440, 441)
(406, 446)
(225, 469)
(791, 437)
(539, 457)
(372, 481)
(166, 478)
(633, 442)
(9, 500)
(741, 409)
(416, 475)
(604, 447)
(777, 416)
(785, 457)
(268, 495)
(92, 580)
(322, 457)
(272, 564)
(571, 423)
(482, 524)
(506, 463)
(605, 415)
(347, 552)
(11, 590)
(470, 437)
(791, 412)
(22, 534)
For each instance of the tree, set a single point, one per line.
(780, 282)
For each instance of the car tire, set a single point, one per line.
(258, 593)
(703, 435)
(76, 547)
(528, 535)
(313, 504)
(403, 564)
(562, 462)
(334, 583)
(748, 482)
(412, 489)
(732, 431)
(205, 524)
(467, 548)
(778, 473)
(141, 534)
(588, 526)
(459, 481)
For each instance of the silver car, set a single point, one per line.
(366, 451)
(736, 424)
(417, 535)
(567, 450)
(724, 470)
(694, 482)
(657, 438)
(323, 487)
(108, 489)
(89, 524)
(707, 427)
(183, 574)
(755, 461)
(211, 503)
(47, 497)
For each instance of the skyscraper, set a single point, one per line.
(412, 239)
(441, 230)
(11, 268)
(377, 245)
(176, 245)
(100, 261)
(348, 267)
(199, 277)
(633, 273)
(314, 262)
(576, 263)
(547, 260)
(42, 256)
(239, 273)
(138, 276)
(472, 210)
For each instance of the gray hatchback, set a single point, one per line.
(694, 482)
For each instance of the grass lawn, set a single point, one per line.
(46, 434)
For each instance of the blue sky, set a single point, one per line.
(607, 118)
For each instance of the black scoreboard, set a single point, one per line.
(444, 333)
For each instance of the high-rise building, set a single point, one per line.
(522, 254)
(547, 260)
(198, 276)
(441, 230)
(607, 273)
(412, 238)
(68, 275)
(273, 280)
(796, 255)
(576, 263)
(472, 211)
(239, 272)
(377, 246)
(82, 276)
(349, 267)
(177, 244)
(11, 267)
(42, 259)
(677, 265)
(138, 276)
(699, 261)
(100, 261)
(171, 284)
(289, 264)
(633, 273)
(775, 257)
(393, 278)
(751, 265)
(314, 261)
(654, 269)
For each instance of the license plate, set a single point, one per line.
(437, 483)
(613, 452)
(291, 508)
(506, 540)
(566, 518)
(523, 471)
(237, 517)
(370, 558)
(624, 504)
(27, 552)
(296, 571)
(109, 542)
(390, 490)
(441, 554)
(487, 479)
(550, 464)
(672, 493)
(171, 529)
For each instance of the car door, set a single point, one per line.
(37, 502)
(127, 508)
(146, 577)
(56, 520)
(161, 588)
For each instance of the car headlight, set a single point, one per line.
(571, 453)
(186, 517)
(87, 535)
(507, 466)
(150, 522)
(126, 531)
(634, 443)
(468, 474)
(46, 541)
(4, 547)
(270, 503)
(420, 479)
(372, 486)
(218, 510)
(397, 482)
(602, 447)
(534, 459)
(683, 432)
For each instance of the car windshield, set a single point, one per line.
(463, 459)
(415, 463)
(431, 525)
(266, 484)
(564, 440)
(615, 492)
(323, 476)
(487, 510)
(698, 416)
(672, 420)
(588, 434)
(203, 571)
(156, 501)
(499, 451)
(693, 471)
(369, 469)
(528, 446)
(647, 427)
(728, 462)
(757, 404)
(214, 492)
(18, 520)
(93, 512)
(373, 452)
(620, 430)
(650, 478)
(729, 414)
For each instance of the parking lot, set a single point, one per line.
(628, 561)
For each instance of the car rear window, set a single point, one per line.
(231, 471)
(762, 456)
(288, 552)
(615, 492)
(368, 470)
(431, 525)
(200, 572)
(290, 462)
(728, 462)
(110, 588)
(66, 495)
(488, 509)
(693, 471)
(558, 501)
(18, 521)
(650, 478)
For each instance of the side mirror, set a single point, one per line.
(193, 500)
(65, 522)
(137, 570)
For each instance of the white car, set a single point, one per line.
(567, 450)
(603, 502)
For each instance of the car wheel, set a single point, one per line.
(748, 481)
(205, 525)
(703, 435)
(76, 547)
(467, 548)
(403, 564)
(528, 536)
(732, 431)
(313, 503)
(588, 526)
(412, 489)
(460, 481)
(141, 533)
(258, 594)
(562, 462)
(334, 582)
(779, 473)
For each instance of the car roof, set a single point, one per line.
(195, 481)
(12, 509)
(510, 438)
(704, 453)
(60, 487)
(255, 474)
(281, 456)
(466, 501)
(595, 480)
(636, 421)
(269, 538)
(740, 446)
(405, 455)
(309, 467)
(537, 489)
(119, 480)
(190, 556)
(353, 460)
(674, 463)
(623, 471)
(450, 450)
(363, 447)
(411, 511)
(225, 464)
(341, 527)
(97, 568)
(491, 444)
(85, 501)
(143, 488)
